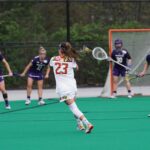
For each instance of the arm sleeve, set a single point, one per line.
(148, 59)
(113, 56)
(33, 61)
(128, 55)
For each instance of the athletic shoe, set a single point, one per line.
(113, 96)
(129, 95)
(27, 102)
(80, 126)
(148, 115)
(41, 102)
(8, 107)
(89, 128)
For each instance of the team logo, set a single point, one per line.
(124, 52)
(45, 61)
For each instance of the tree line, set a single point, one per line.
(24, 26)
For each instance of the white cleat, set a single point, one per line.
(27, 102)
(41, 102)
(80, 126)
(148, 115)
(129, 96)
(8, 107)
(89, 128)
(113, 96)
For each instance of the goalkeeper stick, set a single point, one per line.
(100, 54)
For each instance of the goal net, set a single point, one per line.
(137, 42)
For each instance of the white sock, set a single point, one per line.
(75, 110)
(85, 121)
(77, 119)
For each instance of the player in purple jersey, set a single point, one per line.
(123, 57)
(35, 73)
(146, 66)
(2, 82)
(145, 69)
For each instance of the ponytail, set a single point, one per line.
(68, 51)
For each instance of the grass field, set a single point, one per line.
(120, 124)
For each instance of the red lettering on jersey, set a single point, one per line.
(62, 68)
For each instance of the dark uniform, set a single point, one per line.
(1, 73)
(121, 56)
(36, 70)
(148, 59)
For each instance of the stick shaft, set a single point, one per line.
(110, 59)
(4, 76)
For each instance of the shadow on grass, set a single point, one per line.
(31, 107)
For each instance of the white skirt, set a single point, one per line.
(66, 89)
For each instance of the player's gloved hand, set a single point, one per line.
(127, 72)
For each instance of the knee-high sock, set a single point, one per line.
(75, 110)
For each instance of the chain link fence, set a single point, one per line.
(25, 25)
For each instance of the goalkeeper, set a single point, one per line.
(123, 57)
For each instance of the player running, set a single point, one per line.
(35, 73)
(2, 82)
(122, 56)
(146, 66)
(63, 67)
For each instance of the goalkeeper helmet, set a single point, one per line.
(118, 43)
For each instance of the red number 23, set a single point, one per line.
(61, 68)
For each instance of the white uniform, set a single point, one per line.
(66, 86)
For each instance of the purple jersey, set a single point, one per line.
(122, 57)
(1, 59)
(38, 65)
(148, 59)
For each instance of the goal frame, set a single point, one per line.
(110, 33)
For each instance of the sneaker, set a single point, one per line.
(8, 107)
(80, 126)
(89, 128)
(113, 96)
(27, 102)
(41, 102)
(148, 115)
(129, 95)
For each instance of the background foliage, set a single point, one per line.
(24, 26)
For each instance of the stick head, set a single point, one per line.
(99, 53)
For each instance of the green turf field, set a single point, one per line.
(120, 124)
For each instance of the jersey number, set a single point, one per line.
(39, 67)
(119, 60)
(61, 68)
